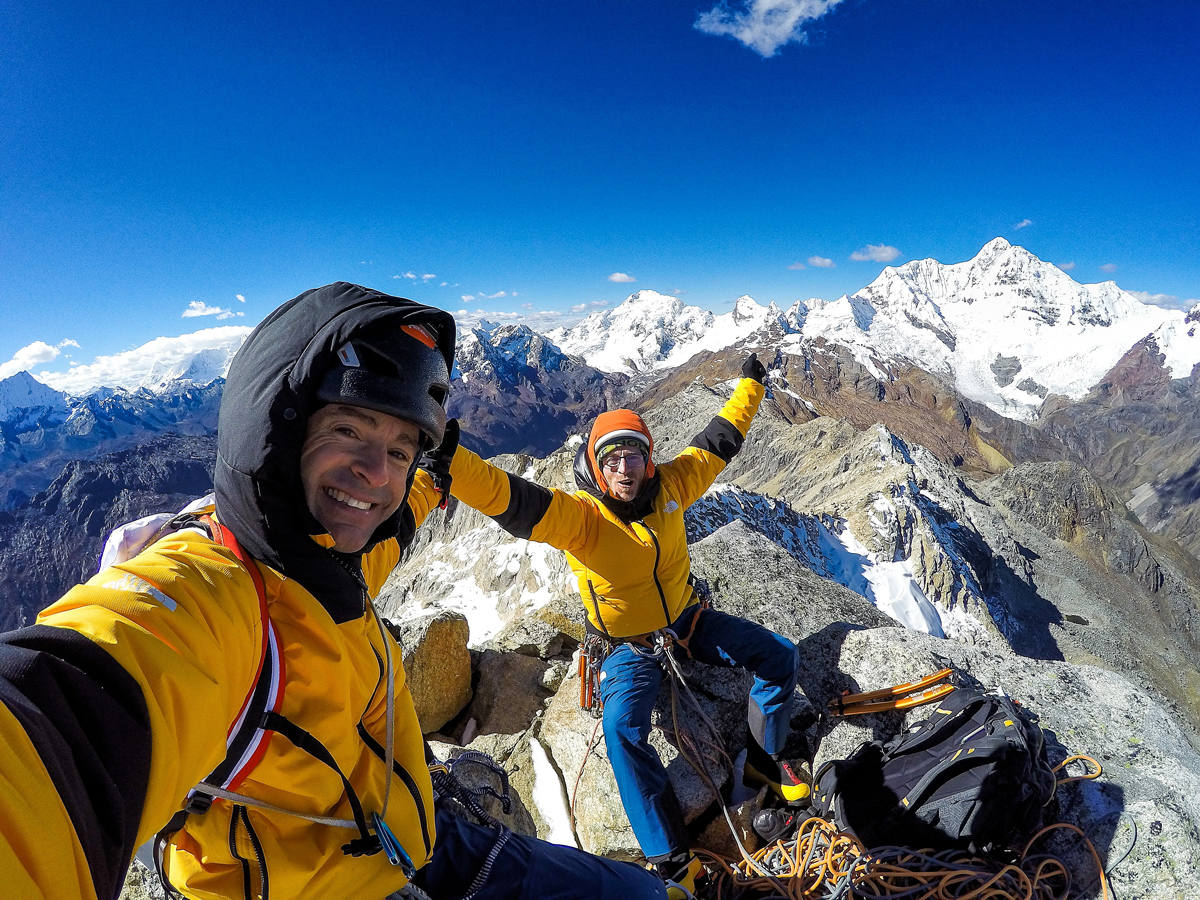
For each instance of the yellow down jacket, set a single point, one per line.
(633, 576)
(183, 619)
(120, 698)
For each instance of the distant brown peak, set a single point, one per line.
(1139, 375)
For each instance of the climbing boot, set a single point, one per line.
(792, 784)
(774, 824)
(680, 876)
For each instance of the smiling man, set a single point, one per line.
(354, 468)
(116, 707)
(624, 537)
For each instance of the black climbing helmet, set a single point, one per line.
(393, 369)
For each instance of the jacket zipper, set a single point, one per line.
(662, 596)
(241, 815)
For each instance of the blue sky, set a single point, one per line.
(157, 159)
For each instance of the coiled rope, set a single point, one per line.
(822, 863)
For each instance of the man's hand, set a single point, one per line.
(437, 461)
(752, 368)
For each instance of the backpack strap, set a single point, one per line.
(248, 735)
(247, 739)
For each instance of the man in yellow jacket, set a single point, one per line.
(236, 667)
(623, 533)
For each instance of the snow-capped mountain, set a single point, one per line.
(651, 331)
(42, 429)
(1005, 328)
(504, 351)
(514, 391)
(24, 400)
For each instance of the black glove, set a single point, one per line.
(752, 368)
(437, 461)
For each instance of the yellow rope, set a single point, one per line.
(1094, 770)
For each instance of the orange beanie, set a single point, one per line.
(617, 423)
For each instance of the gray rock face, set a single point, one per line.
(1138, 430)
(1077, 572)
(1029, 386)
(1005, 368)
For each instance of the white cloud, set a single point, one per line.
(1109, 267)
(621, 278)
(764, 25)
(241, 299)
(797, 266)
(821, 262)
(541, 320)
(1067, 266)
(588, 307)
(1024, 223)
(467, 298)
(428, 277)
(875, 253)
(158, 359)
(30, 355)
(1168, 301)
(496, 296)
(200, 308)
(68, 342)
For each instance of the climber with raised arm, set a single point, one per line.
(623, 533)
(250, 620)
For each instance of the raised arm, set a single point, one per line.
(697, 467)
(521, 507)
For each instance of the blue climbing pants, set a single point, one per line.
(524, 868)
(629, 684)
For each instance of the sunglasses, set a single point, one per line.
(613, 461)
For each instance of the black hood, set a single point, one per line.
(270, 392)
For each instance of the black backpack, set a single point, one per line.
(973, 775)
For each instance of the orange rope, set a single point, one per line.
(820, 860)
(578, 778)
